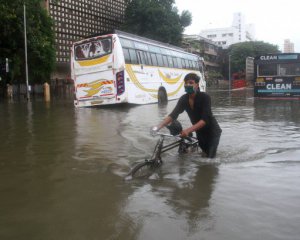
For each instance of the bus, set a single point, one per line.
(125, 68)
(277, 76)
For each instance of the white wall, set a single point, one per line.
(238, 32)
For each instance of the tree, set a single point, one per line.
(156, 19)
(240, 51)
(40, 39)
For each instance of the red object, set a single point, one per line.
(238, 80)
(241, 83)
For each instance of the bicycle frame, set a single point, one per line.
(145, 169)
(160, 148)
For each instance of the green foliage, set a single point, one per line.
(214, 75)
(240, 51)
(156, 19)
(186, 18)
(40, 39)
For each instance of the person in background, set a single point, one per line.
(198, 107)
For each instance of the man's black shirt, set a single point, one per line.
(201, 111)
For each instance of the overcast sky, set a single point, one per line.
(274, 20)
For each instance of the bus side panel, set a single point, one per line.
(144, 82)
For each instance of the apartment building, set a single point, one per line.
(288, 46)
(238, 32)
(210, 51)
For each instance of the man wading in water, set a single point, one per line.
(198, 107)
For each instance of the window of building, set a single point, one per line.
(212, 36)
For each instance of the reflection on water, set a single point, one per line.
(62, 169)
(179, 196)
(277, 111)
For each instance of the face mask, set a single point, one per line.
(189, 89)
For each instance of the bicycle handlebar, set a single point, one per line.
(190, 139)
(165, 135)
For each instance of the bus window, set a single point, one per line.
(154, 49)
(165, 60)
(187, 66)
(170, 61)
(133, 56)
(141, 46)
(160, 60)
(126, 55)
(141, 57)
(149, 62)
(179, 62)
(267, 70)
(126, 43)
(93, 49)
(154, 59)
(195, 65)
(183, 63)
(175, 62)
(164, 51)
(191, 64)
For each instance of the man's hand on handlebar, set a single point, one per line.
(184, 133)
(154, 130)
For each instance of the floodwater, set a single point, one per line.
(62, 173)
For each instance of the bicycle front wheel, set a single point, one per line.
(143, 169)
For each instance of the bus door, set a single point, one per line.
(93, 67)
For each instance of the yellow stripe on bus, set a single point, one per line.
(95, 86)
(169, 80)
(86, 63)
(171, 93)
(140, 86)
(135, 80)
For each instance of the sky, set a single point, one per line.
(274, 20)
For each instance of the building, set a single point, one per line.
(238, 32)
(210, 51)
(288, 46)
(77, 19)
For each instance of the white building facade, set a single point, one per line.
(288, 46)
(238, 32)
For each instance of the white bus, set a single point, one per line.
(125, 68)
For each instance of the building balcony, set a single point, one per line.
(210, 52)
(211, 64)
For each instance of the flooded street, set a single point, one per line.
(62, 173)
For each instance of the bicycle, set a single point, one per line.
(146, 168)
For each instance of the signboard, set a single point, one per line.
(277, 87)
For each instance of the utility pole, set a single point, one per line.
(229, 72)
(26, 64)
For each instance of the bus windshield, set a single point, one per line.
(282, 69)
(93, 49)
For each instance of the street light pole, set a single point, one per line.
(26, 64)
(229, 71)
